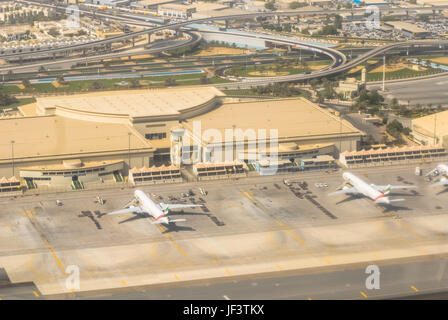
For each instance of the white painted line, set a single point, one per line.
(226, 297)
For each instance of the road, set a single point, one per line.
(178, 25)
(431, 90)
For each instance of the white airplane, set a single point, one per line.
(441, 169)
(355, 186)
(158, 211)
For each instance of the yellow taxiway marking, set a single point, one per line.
(376, 256)
(172, 241)
(414, 288)
(310, 299)
(72, 290)
(281, 224)
(228, 272)
(422, 250)
(363, 294)
(124, 283)
(328, 261)
(176, 277)
(30, 214)
(35, 293)
(1, 298)
(279, 267)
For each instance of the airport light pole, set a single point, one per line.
(12, 156)
(129, 150)
(384, 73)
(435, 125)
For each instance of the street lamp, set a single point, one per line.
(129, 150)
(12, 156)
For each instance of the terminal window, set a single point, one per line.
(155, 136)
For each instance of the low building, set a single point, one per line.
(392, 156)
(10, 187)
(208, 171)
(74, 173)
(154, 175)
(408, 29)
(267, 167)
(175, 10)
(432, 129)
(350, 88)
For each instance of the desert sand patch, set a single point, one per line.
(143, 56)
(390, 68)
(443, 60)
(355, 69)
(317, 67)
(58, 85)
(268, 73)
(220, 50)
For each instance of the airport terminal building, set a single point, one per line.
(99, 137)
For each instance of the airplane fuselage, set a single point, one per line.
(442, 169)
(364, 188)
(147, 204)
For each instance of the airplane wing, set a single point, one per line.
(382, 188)
(127, 210)
(440, 183)
(434, 172)
(166, 206)
(351, 190)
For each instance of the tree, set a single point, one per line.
(204, 80)
(270, 5)
(170, 82)
(26, 83)
(96, 85)
(6, 99)
(134, 83)
(60, 79)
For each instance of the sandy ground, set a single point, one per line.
(317, 67)
(390, 68)
(443, 60)
(269, 73)
(220, 50)
(58, 85)
(143, 56)
(355, 69)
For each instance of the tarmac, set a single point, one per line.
(247, 226)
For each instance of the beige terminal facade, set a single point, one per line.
(431, 130)
(78, 137)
